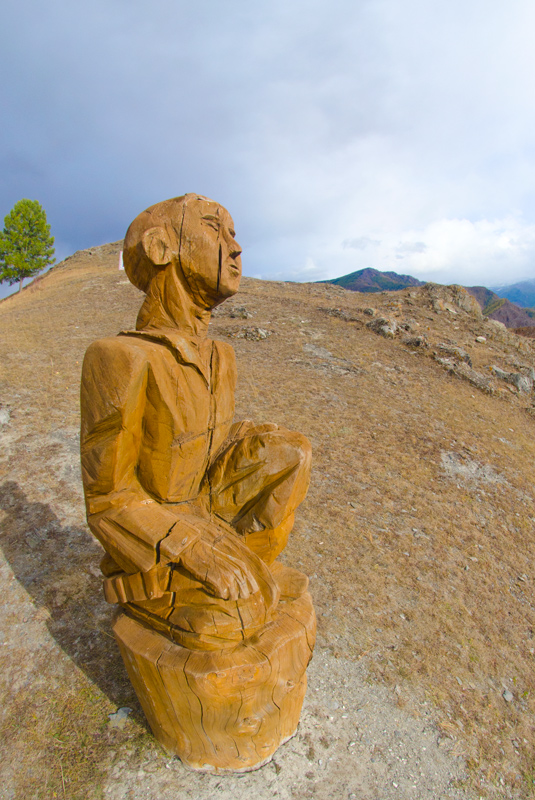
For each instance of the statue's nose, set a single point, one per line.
(235, 249)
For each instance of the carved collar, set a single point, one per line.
(194, 352)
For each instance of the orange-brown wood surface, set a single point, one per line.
(192, 508)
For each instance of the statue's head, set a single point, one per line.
(193, 236)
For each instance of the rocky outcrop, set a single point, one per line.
(451, 299)
(524, 383)
(384, 326)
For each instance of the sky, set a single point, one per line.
(340, 134)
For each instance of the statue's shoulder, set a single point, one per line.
(224, 349)
(116, 349)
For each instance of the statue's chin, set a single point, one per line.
(223, 294)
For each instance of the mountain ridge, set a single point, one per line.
(494, 306)
(522, 293)
(370, 280)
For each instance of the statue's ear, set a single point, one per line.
(157, 246)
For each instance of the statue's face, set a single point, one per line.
(209, 254)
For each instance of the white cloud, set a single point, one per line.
(405, 248)
(360, 243)
(484, 252)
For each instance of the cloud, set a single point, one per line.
(341, 134)
(405, 248)
(475, 252)
(445, 251)
(360, 243)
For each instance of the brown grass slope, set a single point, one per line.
(418, 531)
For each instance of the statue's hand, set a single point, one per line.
(216, 562)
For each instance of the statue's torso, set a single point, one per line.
(179, 404)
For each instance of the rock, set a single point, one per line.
(497, 324)
(463, 370)
(456, 352)
(370, 312)
(327, 362)
(321, 352)
(500, 373)
(523, 383)
(508, 696)
(475, 378)
(443, 297)
(250, 333)
(240, 312)
(383, 326)
(415, 341)
(234, 312)
(341, 313)
(5, 416)
(481, 339)
(120, 717)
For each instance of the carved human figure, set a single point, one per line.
(191, 508)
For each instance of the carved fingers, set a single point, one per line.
(219, 567)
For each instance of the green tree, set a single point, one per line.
(26, 246)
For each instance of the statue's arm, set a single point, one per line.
(122, 515)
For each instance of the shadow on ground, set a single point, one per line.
(53, 563)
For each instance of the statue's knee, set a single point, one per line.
(304, 447)
(296, 448)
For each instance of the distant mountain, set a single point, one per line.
(522, 293)
(501, 308)
(372, 280)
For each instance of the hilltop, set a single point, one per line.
(417, 534)
(372, 280)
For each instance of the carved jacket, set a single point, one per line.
(156, 407)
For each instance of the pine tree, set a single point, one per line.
(26, 246)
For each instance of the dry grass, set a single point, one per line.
(426, 573)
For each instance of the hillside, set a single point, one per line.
(501, 309)
(417, 534)
(372, 280)
(487, 299)
(512, 315)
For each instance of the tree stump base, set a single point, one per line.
(225, 710)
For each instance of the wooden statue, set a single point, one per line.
(192, 508)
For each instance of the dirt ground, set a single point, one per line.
(417, 535)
